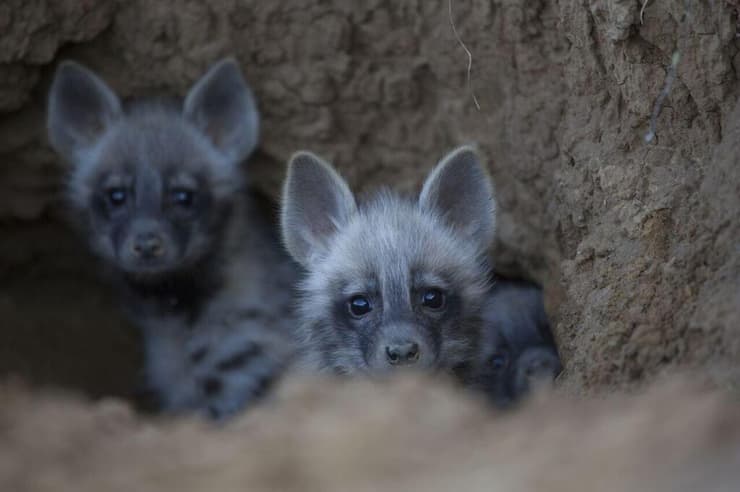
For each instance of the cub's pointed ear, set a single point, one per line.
(81, 108)
(316, 203)
(222, 106)
(460, 190)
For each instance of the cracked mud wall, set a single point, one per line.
(649, 231)
(636, 243)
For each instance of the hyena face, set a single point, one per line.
(391, 283)
(506, 374)
(153, 184)
(516, 349)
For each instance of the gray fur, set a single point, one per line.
(222, 107)
(391, 250)
(460, 189)
(516, 349)
(316, 203)
(81, 108)
(160, 194)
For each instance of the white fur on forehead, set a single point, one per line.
(390, 232)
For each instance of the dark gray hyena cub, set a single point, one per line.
(516, 349)
(159, 191)
(390, 282)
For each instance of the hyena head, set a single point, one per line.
(516, 349)
(506, 374)
(153, 185)
(391, 282)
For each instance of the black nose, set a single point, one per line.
(148, 245)
(402, 353)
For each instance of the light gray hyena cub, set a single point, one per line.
(516, 349)
(158, 189)
(390, 282)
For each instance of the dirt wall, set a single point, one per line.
(635, 242)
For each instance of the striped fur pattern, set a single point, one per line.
(158, 191)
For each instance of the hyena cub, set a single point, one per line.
(516, 349)
(159, 191)
(390, 282)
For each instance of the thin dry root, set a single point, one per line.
(467, 51)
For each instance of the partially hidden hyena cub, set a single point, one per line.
(158, 189)
(516, 349)
(390, 282)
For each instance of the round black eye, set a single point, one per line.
(184, 198)
(433, 299)
(117, 196)
(359, 306)
(499, 361)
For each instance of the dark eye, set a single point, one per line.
(182, 197)
(117, 196)
(499, 361)
(433, 299)
(359, 306)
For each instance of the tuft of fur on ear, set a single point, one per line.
(222, 107)
(460, 190)
(316, 203)
(81, 108)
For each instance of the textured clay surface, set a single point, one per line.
(635, 242)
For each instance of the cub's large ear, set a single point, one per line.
(222, 106)
(316, 203)
(460, 190)
(81, 108)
